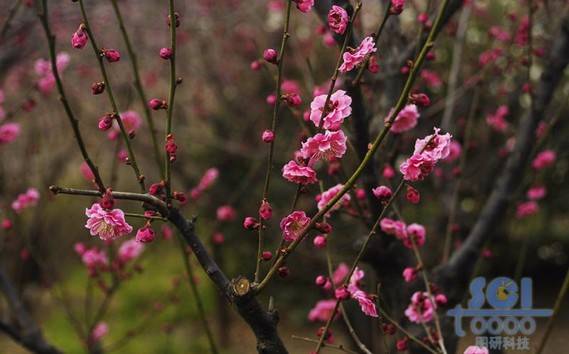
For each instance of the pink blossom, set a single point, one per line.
(338, 19)
(94, 259)
(79, 37)
(130, 250)
(322, 311)
(435, 146)
(131, 121)
(100, 330)
(265, 210)
(394, 227)
(382, 193)
(476, 350)
(454, 151)
(431, 78)
(327, 196)
(9, 132)
(396, 7)
(499, 33)
(406, 119)
(320, 241)
(526, 209)
(359, 55)
(416, 233)
(86, 171)
(497, 120)
(421, 309)
(296, 173)
(226, 213)
(145, 234)
(489, 56)
(209, 177)
(536, 192)
(367, 305)
(293, 224)
(388, 172)
(340, 274)
(412, 195)
(107, 224)
(544, 159)
(417, 167)
(339, 107)
(26, 200)
(166, 53)
(327, 146)
(409, 274)
(304, 5)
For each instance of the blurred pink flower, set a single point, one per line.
(293, 224)
(26, 200)
(544, 159)
(393, 227)
(338, 108)
(526, 209)
(130, 250)
(409, 274)
(406, 119)
(327, 196)
(417, 233)
(9, 132)
(145, 234)
(421, 309)
(226, 213)
(100, 330)
(322, 310)
(536, 192)
(431, 78)
(304, 5)
(476, 350)
(86, 171)
(497, 120)
(107, 224)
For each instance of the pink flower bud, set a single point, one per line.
(382, 193)
(420, 99)
(105, 122)
(341, 293)
(166, 53)
(79, 38)
(155, 188)
(171, 147)
(97, 88)
(266, 255)
(256, 65)
(145, 234)
(320, 241)
(180, 196)
(265, 210)
(413, 195)
(80, 248)
(293, 99)
(270, 55)
(283, 271)
(7, 224)
(112, 55)
(396, 7)
(320, 280)
(156, 104)
(441, 299)
(268, 136)
(271, 99)
(360, 193)
(323, 227)
(107, 201)
(401, 345)
(250, 223)
(217, 238)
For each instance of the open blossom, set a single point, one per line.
(415, 234)
(365, 301)
(421, 309)
(339, 107)
(417, 167)
(473, 349)
(544, 159)
(338, 19)
(497, 120)
(107, 224)
(322, 310)
(296, 173)
(9, 132)
(435, 146)
(25, 200)
(327, 196)
(304, 5)
(327, 146)
(393, 227)
(130, 250)
(340, 274)
(293, 224)
(406, 119)
(359, 55)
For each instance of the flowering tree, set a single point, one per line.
(379, 139)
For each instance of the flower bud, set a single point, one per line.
(270, 55)
(156, 104)
(320, 241)
(320, 280)
(97, 88)
(145, 234)
(268, 136)
(80, 37)
(266, 255)
(105, 122)
(383, 193)
(112, 55)
(166, 53)
(420, 99)
(265, 210)
(341, 293)
(250, 223)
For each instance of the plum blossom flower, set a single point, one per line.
(86, 171)
(393, 227)
(339, 107)
(26, 200)
(226, 213)
(338, 19)
(327, 196)
(544, 159)
(497, 120)
(296, 173)
(396, 7)
(417, 167)
(526, 209)
(293, 224)
(409, 274)
(100, 330)
(536, 192)
(340, 273)
(79, 37)
(473, 349)
(327, 146)
(129, 251)
(145, 234)
(42, 67)
(131, 121)
(322, 310)
(359, 55)
(304, 5)
(107, 224)
(367, 305)
(9, 132)
(431, 78)
(421, 308)
(435, 146)
(94, 259)
(406, 119)
(454, 151)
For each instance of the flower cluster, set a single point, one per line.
(26, 200)
(428, 151)
(408, 234)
